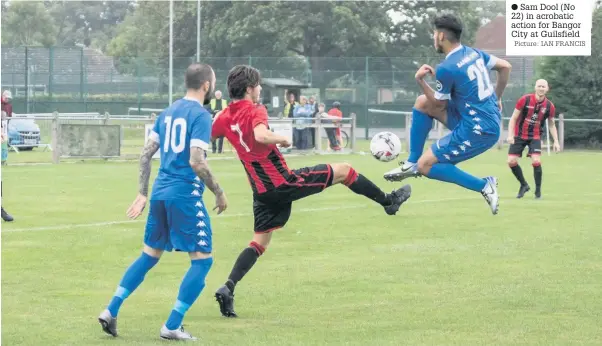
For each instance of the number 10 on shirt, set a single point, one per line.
(171, 135)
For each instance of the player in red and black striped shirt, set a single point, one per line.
(275, 186)
(526, 127)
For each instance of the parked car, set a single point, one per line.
(23, 133)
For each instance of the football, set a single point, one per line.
(385, 146)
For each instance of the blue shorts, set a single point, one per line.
(464, 142)
(181, 224)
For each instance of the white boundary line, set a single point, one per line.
(217, 217)
(302, 210)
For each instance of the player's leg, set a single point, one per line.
(220, 144)
(156, 240)
(190, 231)
(535, 154)
(5, 216)
(514, 152)
(439, 163)
(344, 173)
(423, 114)
(268, 218)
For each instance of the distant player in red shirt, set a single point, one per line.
(526, 128)
(275, 187)
(335, 111)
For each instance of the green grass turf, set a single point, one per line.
(444, 271)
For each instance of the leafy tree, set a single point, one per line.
(90, 23)
(27, 23)
(576, 88)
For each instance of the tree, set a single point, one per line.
(323, 32)
(89, 23)
(410, 40)
(27, 24)
(576, 88)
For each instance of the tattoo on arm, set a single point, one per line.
(201, 168)
(146, 157)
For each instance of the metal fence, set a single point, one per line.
(41, 135)
(133, 133)
(84, 80)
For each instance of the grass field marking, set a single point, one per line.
(302, 210)
(110, 223)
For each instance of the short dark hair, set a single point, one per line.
(240, 78)
(451, 25)
(197, 74)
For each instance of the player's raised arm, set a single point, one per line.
(440, 96)
(261, 132)
(264, 136)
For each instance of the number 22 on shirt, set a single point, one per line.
(480, 72)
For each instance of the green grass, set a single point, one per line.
(444, 271)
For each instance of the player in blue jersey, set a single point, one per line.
(466, 102)
(178, 219)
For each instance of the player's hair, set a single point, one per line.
(451, 25)
(197, 74)
(240, 78)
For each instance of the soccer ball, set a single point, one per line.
(385, 146)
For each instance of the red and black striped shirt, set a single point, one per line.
(533, 115)
(264, 164)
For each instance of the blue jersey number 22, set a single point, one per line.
(479, 71)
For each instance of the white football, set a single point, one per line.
(385, 146)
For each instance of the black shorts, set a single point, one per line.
(272, 209)
(519, 145)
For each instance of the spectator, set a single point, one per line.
(335, 111)
(314, 104)
(217, 104)
(5, 216)
(330, 131)
(302, 115)
(7, 107)
(289, 107)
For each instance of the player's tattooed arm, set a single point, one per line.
(146, 158)
(199, 165)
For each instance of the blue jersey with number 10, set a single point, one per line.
(463, 79)
(184, 124)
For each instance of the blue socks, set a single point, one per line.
(191, 287)
(452, 174)
(419, 132)
(131, 280)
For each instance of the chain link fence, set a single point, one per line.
(44, 80)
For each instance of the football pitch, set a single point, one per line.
(443, 271)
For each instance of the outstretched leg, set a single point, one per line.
(344, 174)
(272, 212)
(439, 163)
(423, 114)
